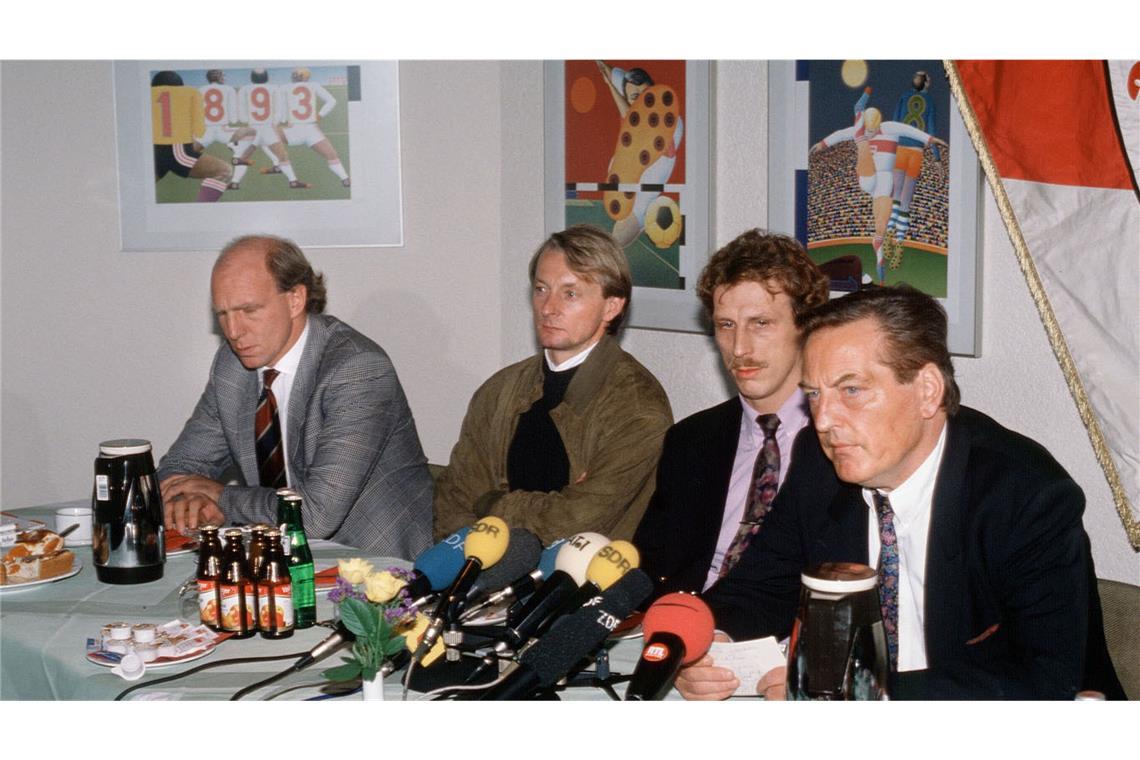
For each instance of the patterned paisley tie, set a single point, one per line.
(888, 574)
(765, 481)
(267, 429)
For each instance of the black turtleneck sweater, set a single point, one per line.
(536, 459)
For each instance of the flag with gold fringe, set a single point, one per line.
(1058, 141)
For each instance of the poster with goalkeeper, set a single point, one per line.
(257, 133)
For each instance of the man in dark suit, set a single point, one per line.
(985, 577)
(708, 496)
(298, 398)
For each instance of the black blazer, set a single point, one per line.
(678, 533)
(1011, 608)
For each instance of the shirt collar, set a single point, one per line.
(919, 487)
(570, 363)
(288, 364)
(792, 413)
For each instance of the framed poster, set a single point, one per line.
(209, 150)
(627, 149)
(871, 168)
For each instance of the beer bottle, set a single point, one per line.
(208, 574)
(274, 591)
(256, 550)
(300, 562)
(238, 601)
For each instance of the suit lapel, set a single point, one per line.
(945, 572)
(243, 410)
(303, 386)
(721, 456)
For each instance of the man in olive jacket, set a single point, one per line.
(566, 441)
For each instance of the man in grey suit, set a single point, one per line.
(298, 397)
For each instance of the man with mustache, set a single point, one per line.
(565, 441)
(721, 467)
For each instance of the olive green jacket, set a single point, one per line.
(612, 421)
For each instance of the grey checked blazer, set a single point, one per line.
(353, 453)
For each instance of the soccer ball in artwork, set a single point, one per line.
(663, 221)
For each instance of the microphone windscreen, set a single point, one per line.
(546, 562)
(580, 634)
(575, 555)
(487, 541)
(521, 557)
(685, 616)
(611, 562)
(442, 562)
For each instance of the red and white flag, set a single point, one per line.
(1059, 141)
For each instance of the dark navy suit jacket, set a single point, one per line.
(1011, 608)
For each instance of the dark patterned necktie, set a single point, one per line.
(267, 429)
(765, 481)
(888, 574)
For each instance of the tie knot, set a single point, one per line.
(882, 504)
(768, 423)
(268, 376)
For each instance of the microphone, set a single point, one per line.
(573, 638)
(484, 546)
(522, 556)
(678, 630)
(612, 561)
(523, 585)
(436, 568)
(570, 566)
(331, 643)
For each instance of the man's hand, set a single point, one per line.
(771, 684)
(191, 500)
(704, 680)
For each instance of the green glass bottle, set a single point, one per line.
(296, 545)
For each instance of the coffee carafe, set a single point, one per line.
(128, 540)
(838, 647)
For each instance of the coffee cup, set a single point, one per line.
(65, 517)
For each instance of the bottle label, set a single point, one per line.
(231, 607)
(282, 603)
(207, 603)
(102, 488)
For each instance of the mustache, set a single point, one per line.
(746, 364)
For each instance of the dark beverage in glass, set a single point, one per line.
(236, 589)
(838, 647)
(275, 591)
(208, 575)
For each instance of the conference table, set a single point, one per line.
(44, 631)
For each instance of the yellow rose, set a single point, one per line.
(354, 570)
(382, 587)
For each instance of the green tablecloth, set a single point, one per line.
(44, 629)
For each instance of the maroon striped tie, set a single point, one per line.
(267, 429)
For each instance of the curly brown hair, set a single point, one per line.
(774, 261)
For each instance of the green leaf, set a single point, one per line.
(393, 645)
(346, 672)
(358, 617)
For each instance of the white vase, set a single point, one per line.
(373, 691)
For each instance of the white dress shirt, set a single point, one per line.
(570, 363)
(911, 503)
(283, 387)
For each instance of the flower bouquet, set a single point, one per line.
(375, 608)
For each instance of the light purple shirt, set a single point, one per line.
(793, 417)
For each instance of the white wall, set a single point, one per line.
(97, 343)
